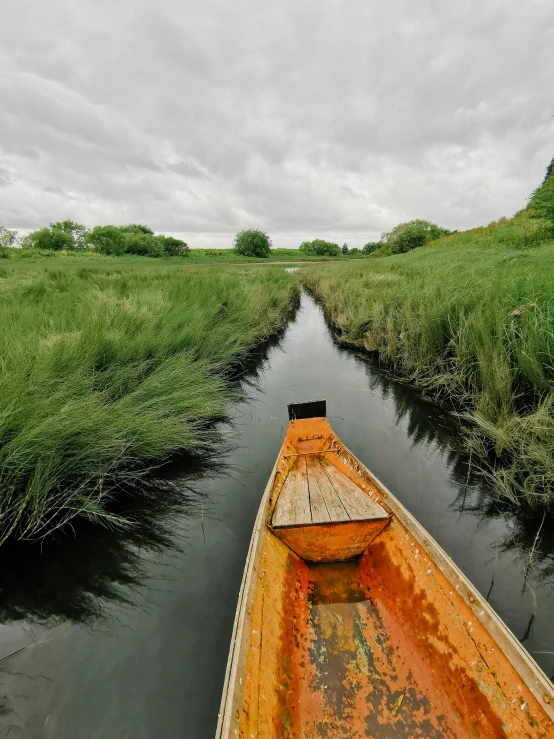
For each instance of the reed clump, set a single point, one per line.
(470, 320)
(108, 366)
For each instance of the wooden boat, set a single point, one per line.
(353, 622)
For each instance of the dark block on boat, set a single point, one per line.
(310, 409)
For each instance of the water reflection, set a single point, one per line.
(69, 577)
(126, 633)
(87, 576)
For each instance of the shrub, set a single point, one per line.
(7, 237)
(61, 236)
(320, 247)
(354, 250)
(411, 235)
(136, 242)
(49, 239)
(67, 235)
(141, 240)
(155, 246)
(76, 231)
(137, 228)
(370, 247)
(253, 243)
(108, 240)
(174, 247)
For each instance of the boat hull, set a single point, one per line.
(393, 643)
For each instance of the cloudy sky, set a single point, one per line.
(305, 118)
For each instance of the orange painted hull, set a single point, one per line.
(330, 542)
(396, 642)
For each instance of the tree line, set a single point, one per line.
(141, 240)
(113, 240)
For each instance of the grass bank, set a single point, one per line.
(108, 365)
(470, 320)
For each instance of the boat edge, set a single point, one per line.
(242, 618)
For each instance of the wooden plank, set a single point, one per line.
(284, 506)
(293, 505)
(320, 514)
(360, 507)
(337, 512)
(302, 510)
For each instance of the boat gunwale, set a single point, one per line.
(528, 670)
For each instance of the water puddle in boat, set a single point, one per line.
(126, 633)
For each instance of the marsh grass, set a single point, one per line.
(108, 366)
(470, 320)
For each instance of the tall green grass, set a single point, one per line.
(470, 319)
(110, 365)
(195, 256)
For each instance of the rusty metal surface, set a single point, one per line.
(393, 644)
(331, 542)
(364, 649)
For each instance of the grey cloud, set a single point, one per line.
(338, 119)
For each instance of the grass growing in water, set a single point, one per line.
(110, 365)
(470, 319)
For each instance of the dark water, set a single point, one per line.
(126, 635)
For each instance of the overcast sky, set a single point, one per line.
(333, 118)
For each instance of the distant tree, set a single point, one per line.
(155, 246)
(50, 239)
(354, 250)
(136, 242)
(27, 241)
(108, 240)
(370, 247)
(320, 248)
(174, 247)
(7, 237)
(344, 249)
(307, 248)
(76, 231)
(411, 235)
(253, 243)
(137, 228)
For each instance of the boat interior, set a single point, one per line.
(352, 629)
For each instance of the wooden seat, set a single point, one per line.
(322, 515)
(315, 491)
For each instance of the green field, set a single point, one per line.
(470, 320)
(277, 255)
(194, 256)
(111, 364)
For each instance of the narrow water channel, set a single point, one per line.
(125, 635)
